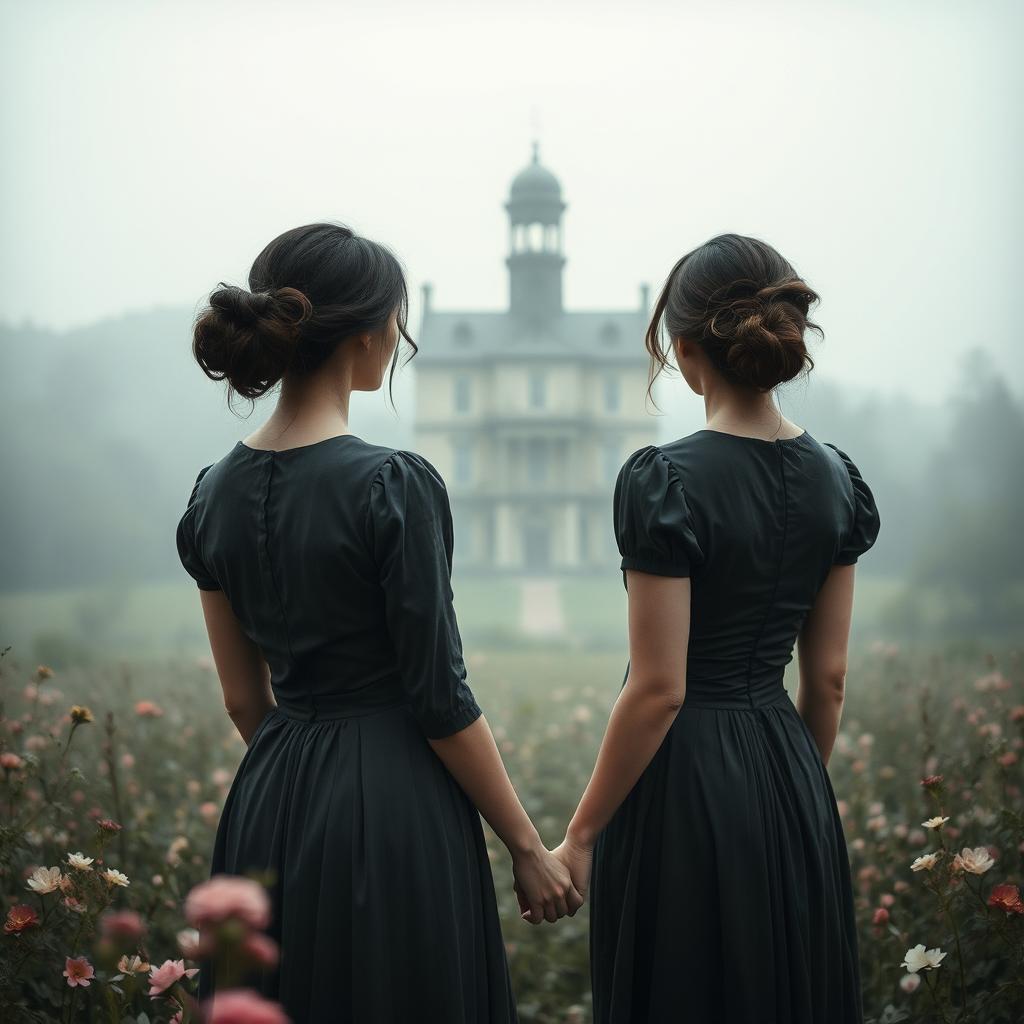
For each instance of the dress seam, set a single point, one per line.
(273, 580)
(778, 572)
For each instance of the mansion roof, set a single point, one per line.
(453, 337)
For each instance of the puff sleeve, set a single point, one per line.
(409, 527)
(652, 520)
(188, 548)
(865, 523)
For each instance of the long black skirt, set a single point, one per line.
(383, 899)
(720, 890)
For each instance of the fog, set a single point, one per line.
(152, 150)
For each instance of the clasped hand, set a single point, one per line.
(551, 884)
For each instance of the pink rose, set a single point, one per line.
(228, 896)
(170, 971)
(243, 1006)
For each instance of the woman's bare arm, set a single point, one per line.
(659, 633)
(243, 672)
(822, 654)
(473, 759)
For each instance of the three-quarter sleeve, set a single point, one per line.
(652, 520)
(409, 527)
(865, 522)
(188, 548)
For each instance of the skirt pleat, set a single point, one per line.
(383, 901)
(720, 891)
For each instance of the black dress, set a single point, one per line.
(720, 890)
(336, 559)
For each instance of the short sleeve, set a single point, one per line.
(188, 549)
(652, 520)
(865, 523)
(409, 528)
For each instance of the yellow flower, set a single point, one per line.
(80, 713)
(80, 861)
(115, 877)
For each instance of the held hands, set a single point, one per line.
(544, 886)
(577, 856)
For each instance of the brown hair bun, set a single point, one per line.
(746, 307)
(250, 338)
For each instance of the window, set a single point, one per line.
(462, 392)
(611, 461)
(463, 462)
(611, 394)
(536, 460)
(538, 389)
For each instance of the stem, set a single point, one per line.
(935, 999)
(959, 956)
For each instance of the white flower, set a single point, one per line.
(976, 861)
(919, 958)
(935, 822)
(910, 982)
(115, 877)
(44, 880)
(925, 862)
(80, 861)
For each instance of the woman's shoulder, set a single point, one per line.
(407, 483)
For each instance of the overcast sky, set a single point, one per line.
(152, 149)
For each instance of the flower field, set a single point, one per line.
(112, 783)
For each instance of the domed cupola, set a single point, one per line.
(535, 257)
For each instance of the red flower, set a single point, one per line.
(20, 917)
(108, 826)
(931, 781)
(1006, 897)
(881, 916)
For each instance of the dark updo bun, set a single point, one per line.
(250, 338)
(309, 290)
(744, 305)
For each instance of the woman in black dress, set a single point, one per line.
(324, 564)
(709, 833)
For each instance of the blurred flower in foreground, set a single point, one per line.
(228, 896)
(243, 1006)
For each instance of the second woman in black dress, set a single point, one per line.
(709, 833)
(324, 564)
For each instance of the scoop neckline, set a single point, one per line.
(761, 440)
(294, 448)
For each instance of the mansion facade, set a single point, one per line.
(528, 413)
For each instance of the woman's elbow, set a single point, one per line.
(661, 693)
